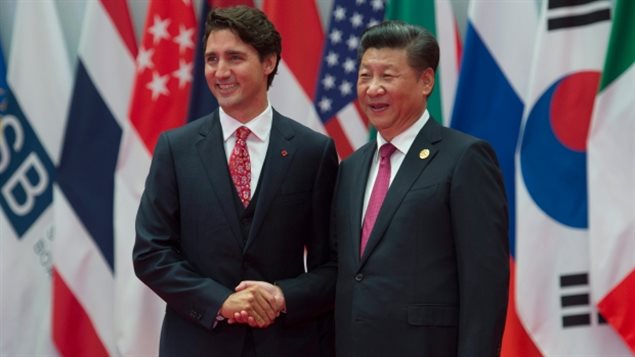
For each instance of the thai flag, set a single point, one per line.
(89, 257)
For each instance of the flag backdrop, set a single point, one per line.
(160, 96)
(552, 245)
(87, 272)
(31, 134)
(611, 160)
(489, 104)
(75, 147)
(293, 88)
(336, 94)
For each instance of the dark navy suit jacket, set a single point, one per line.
(433, 280)
(190, 250)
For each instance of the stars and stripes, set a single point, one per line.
(336, 97)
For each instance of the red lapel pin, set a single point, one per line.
(284, 153)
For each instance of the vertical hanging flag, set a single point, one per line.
(86, 264)
(611, 160)
(552, 245)
(336, 95)
(164, 69)
(158, 102)
(293, 87)
(489, 104)
(32, 121)
(436, 16)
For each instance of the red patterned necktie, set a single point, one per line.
(240, 165)
(380, 188)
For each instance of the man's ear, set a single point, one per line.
(427, 77)
(269, 63)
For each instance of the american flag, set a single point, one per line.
(336, 95)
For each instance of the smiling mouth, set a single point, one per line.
(226, 87)
(378, 107)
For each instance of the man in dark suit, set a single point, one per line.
(419, 217)
(231, 201)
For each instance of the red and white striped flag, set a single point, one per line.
(293, 88)
(336, 94)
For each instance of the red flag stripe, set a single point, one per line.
(458, 44)
(302, 50)
(618, 309)
(73, 331)
(362, 115)
(120, 15)
(342, 144)
(516, 341)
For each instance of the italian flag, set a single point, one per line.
(611, 173)
(437, 17)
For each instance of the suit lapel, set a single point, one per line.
(212, 154)
(411, 168)
(274, 170)
(361, 172)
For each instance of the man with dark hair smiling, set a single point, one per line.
(420, 218)
(231, 201)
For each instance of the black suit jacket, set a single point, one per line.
(190, 251)
(433, 280)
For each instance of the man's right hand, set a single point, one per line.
(258, 303)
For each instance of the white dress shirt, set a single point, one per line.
(402, 142)
(257, 141)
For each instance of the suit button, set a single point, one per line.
(359, 277)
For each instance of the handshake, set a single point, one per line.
(256, 303)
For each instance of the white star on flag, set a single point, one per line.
(144, 59)
(158, 85)
(339, 13)
(184, 73)
(184, 39)
(335, 36)
(346, 88)
(325, 104)
(349, 65)
(328, 81)
(332, 58)
(159, 29)
(357, 19)
(352, 42)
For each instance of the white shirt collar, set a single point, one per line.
(404, 141)
(260, 125)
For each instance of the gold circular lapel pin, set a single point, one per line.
(423, 154)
